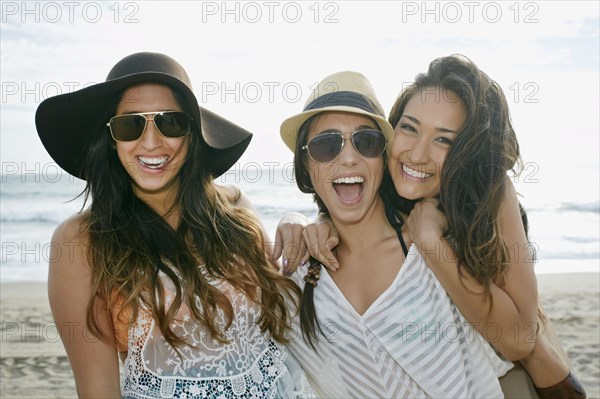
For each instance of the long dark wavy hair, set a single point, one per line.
(473, 178)
(130, 244)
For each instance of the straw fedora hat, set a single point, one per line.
(65, 122)
(343, 91)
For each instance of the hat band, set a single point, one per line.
(343, 98)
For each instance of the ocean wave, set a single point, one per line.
(581, 240)
(41, 194)
(35, 212)
(30, 219)
(566, 255)
(272, 211)
(593, 207)
(580, 207)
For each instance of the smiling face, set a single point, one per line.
(349, 184)
(153, 161)
(429, 125)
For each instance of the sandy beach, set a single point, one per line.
(33, 363)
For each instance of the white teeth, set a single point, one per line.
(349, 180)
(153, 163)
(415, 173)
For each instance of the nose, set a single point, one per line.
(419, 154)
(348, 156)
(151, 138)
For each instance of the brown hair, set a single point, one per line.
(474, 174)
(130, 244)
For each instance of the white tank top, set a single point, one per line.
(412, 342)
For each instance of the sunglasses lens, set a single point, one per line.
(370, 143)
(173, 124)
(325, 147)
(127, 127)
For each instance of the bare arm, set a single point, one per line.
(511, 324)
(239, 199)
(244, 202)
(94, 362)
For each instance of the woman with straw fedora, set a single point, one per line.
(453, 145)
(164, 267)
(382, 325)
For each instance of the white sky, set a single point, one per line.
(255, 62)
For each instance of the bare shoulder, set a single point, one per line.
(72, 229)
(231, 193)
(239, 199)
(510, 192)
(510, 212)
(236, 196)
(69, 248)
(94, 361)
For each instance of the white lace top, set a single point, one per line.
(251, 366)
(412, 342)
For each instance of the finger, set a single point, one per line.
(305, 257)
(321, 253)
(297, 259)
(312, 242)
(327, 239)
(277, 246)
(287, 251)
(292, 249)
(333, 240)
(329, 260)
(304, 253)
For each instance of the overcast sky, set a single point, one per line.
(255, 63)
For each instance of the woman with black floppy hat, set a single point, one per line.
(164, 267)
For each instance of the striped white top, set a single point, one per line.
(412, 342)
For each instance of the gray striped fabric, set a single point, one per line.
(412, 342)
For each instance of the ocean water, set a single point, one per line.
(565, 233)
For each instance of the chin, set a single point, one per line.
(408, 195)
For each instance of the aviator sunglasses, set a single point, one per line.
(326, 147)
(130, 127)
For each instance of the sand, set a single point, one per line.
(33, 363)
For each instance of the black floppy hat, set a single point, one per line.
(65, 122)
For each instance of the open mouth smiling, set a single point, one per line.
(349, 188)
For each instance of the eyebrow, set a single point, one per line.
(418, 122)
(362, 127)
(359, 127)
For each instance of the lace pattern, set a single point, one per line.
(249, 366)
(259, 381)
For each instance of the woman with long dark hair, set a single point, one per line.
(453, 146)
(382, 325)
(164, 267)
